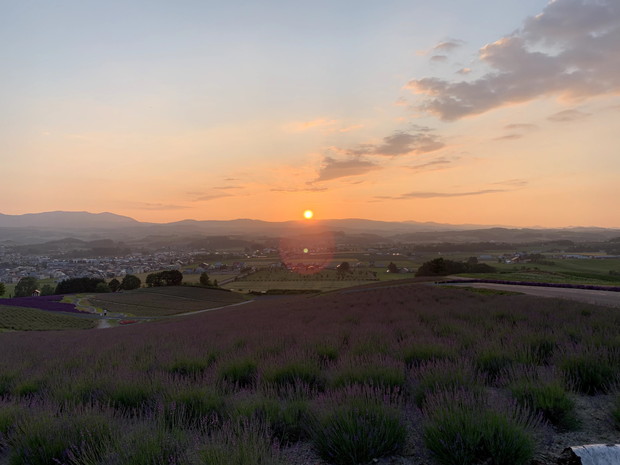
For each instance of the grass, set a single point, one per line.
(30, 319)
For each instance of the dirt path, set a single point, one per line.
(606, 298)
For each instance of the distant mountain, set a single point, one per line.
(66, 220)
(39, 228)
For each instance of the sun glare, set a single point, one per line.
(308, 214)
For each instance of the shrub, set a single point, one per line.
(357, 433)
(588, 374)
(239, 372)
(492, 364)
(294, 373)
(418, 354)
(326, 353)
(541, 350)
(191, 366)
(145, 446)
(192, 406)
(468, 433)
(391, 377)
(445, 377)
(550, 400)
(47, 439)
(241, 443)
(128, 395)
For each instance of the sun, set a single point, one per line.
(308, 214)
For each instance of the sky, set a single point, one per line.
(451, 111)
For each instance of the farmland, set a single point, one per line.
(163, 301)
(409, 367)
(30, 319)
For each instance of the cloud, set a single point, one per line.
(225, 188)
(567, 116)
(206, 197)
(433, 195)
(439, 58)
(448, 45)
(569, 50)
(464, 71)
(509, 137)
(521, 126)
(516, 183)
(334, 169)
(157, 206)
(433, 165)
(295, 189)
(401, 143)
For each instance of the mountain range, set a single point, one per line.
(34, 228)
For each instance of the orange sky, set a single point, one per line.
(413, 112)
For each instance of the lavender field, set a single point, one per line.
(413, 373)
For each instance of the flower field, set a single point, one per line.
(50, 303)
(421, 374)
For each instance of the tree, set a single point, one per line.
(102, 287)
(130, 282)
(26, 286)
(153, 280)
(204, 279)
(2, 289)
(392, 268)
(47, 289)
(77, 285)
(114, 285)
(344, 267)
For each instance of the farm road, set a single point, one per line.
(606, 298)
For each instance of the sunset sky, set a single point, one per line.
(482, 112)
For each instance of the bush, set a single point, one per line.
(550, 400)
(588, 374)
(239, 372)
(391, 377)
(438, 378)
(193, 406)
(468, 433)
(47, 439)
(357, 433)
(191, 366)
(418, 354)
(492, 364)
(294, 373)
(241, 443)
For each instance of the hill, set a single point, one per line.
(411, 368)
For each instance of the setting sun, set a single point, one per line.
(308, 214)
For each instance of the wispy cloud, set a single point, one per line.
(155, 206)
(569, 50)
(521, 127)
(334, 169)
(448, 45)
(567, 116)
(226, 188)
(433, 165)
(299, 189)
(509, 137)
(211, 196)
(419, 140)
(432, 195)
(301, 126)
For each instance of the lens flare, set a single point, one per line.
(308, 214)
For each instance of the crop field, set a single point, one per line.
(31, 319)
(324, 280)
(419, 373)
(163, 301)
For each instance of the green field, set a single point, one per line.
(571, 271)
(324, 280)
(30, 319)
(163, 301)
